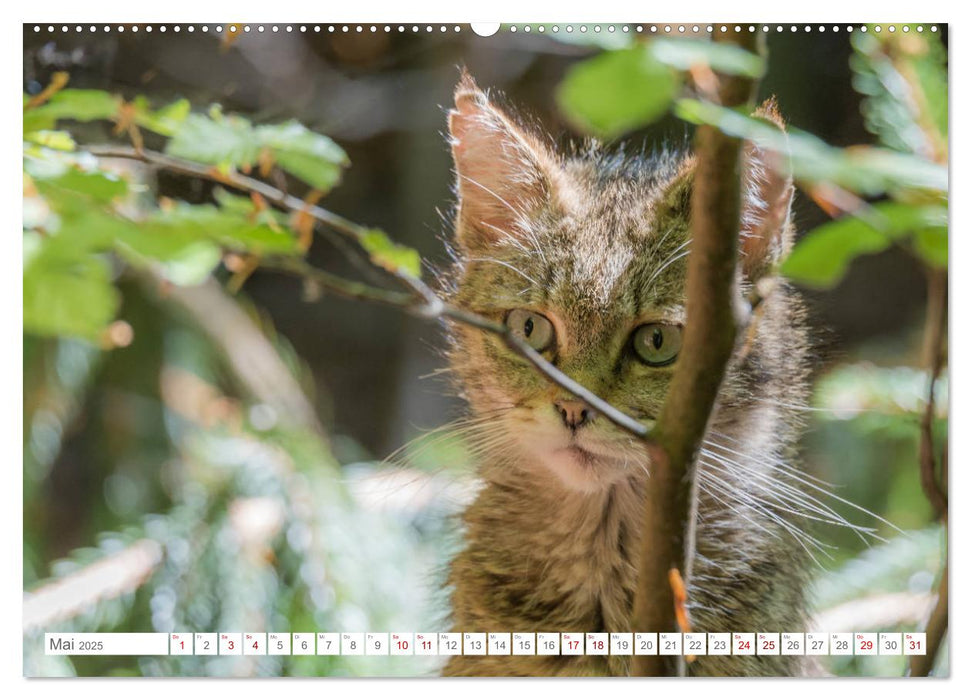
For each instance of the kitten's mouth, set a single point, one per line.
(582, 455)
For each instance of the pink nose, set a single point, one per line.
(573, 413)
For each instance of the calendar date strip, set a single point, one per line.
(688, 644)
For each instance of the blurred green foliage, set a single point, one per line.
(903, 75)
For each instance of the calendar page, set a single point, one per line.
(395, 349)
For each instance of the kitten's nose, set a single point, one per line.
(573, 413)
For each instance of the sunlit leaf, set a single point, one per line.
(862, 169)
(58, 140)
(98, 187)
(312, 157)
(823, 256)
(226, 141)
(227, 228)
(390, 255)
(165, 120)
(931, 244)
(68, 299)
(904, 80)
(617, 91)
(78, 105)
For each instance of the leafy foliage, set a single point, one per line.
(904, 78)
(84, 216)
(617, 91)
(823, 256)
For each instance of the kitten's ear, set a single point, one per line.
(504, 173)
(767, 190)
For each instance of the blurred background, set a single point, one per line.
(268, 504)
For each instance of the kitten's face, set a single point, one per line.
(585, 259)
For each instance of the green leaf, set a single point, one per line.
(228, 228)
(312, 157)
(684, 54)
(79, 105)
(390, 255)
(823, 256)
(166, 120)
(904, 82)
(931, 245)
(68, 299)
(862, 169)
(182, 257)
(57, 140)
(617, 91)
(244, 207)
(224, 141)
(98, 187)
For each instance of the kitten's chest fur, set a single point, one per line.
(539, 558)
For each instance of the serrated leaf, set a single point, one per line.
(224, 141)
(617, 91)
(823, 256)
(390, 255)
(307, 155)
(685, 54)
(68, 299)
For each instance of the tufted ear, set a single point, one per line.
(767, 190)
(504, 173)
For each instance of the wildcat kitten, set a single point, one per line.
(584, 256)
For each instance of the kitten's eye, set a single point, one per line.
(657, 344)
(532, 327)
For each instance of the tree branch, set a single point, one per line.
(936, 629)
(934, 360)
(713, 319)
(422, 301)
(932, 480)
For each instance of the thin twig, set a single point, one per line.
(422, 301)
(934, 483)
(933, 340)
(709, 340)
(364, 292)
(936, 629)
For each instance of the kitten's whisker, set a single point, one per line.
(799, 478)
(775, 462)
(791, 494)
(676, 255)
(783, 501)
(798, 535)
(507, 265)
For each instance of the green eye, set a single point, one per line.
(657, 344)
(532, 327)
